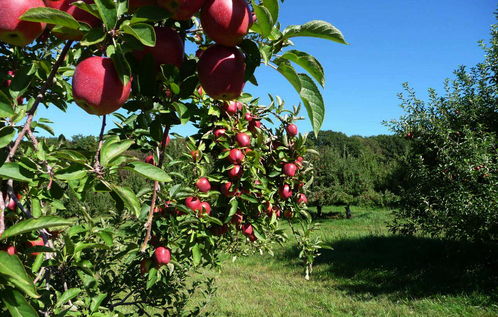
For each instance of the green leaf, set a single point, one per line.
(6, 135)
(70, 155)
(253, 56)
(50, 16)
(128, 197)
(72, 172)
(6, 110)
(151, 278)
(150, 13)
(80, 246)
(94, 36)
(196, 254)
(90, 8)
(264, 22)
(316, 28)
(308, 62)
(33, 224)
(286, 69)
(12, 270)
(120, 63)
(234, 206)
(150, 171)
(16, 172)
(36, 208)
(16, 304)
(112, 149)
(143, 32)
(273, 8)
(67, 296)
(108, 13)
(313, 101)
(96, 302)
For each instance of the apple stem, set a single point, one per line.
(150, 217)
(38, 99)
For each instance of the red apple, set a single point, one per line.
(14, 31)
(205, 208)
(253, 125)
(237, 218)
(11, 250)
(181, 9)
(225, 189)
(200, 91)
(34, 243)
(290, 169)
(196, 155)
(145, 266)
(222, 72)
(291, 130)
(135, 4)
(248, 116)
(193, 203)
(302, 199)
(77, 13)
(285, 192)
(203, 184)
(252, 238)
(8, 82)
(166, 142)
(236, 156)
(97, 88)
(235, 172)
(162, 256)
(169, 48)
(247, 229)
(150, 160)
(231, 107)
(11, 205)
(242, 139)
(218, 133)
(226, 21)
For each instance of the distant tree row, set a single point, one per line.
(357, 170)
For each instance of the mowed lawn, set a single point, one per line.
(369, 272)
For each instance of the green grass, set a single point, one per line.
(370, 272)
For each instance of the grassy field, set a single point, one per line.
(369, 272)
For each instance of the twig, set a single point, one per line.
(148, 224)
(122, 302)
(97, 168)
(39, 98)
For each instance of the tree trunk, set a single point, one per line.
(348, 212)
(319, 211)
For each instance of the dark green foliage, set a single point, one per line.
(452, 187)
(356, 170)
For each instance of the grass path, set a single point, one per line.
(370, 272)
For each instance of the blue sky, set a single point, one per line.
(391, 42)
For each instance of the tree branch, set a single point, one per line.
(96, 165)
(148, 224)
(39, 98)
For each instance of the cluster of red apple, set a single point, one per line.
(97, 87)
(290, 169)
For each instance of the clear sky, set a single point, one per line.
(391, 42)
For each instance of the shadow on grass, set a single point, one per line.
(410, 267)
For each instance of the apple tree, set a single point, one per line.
(452, 180)
(161, 63)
